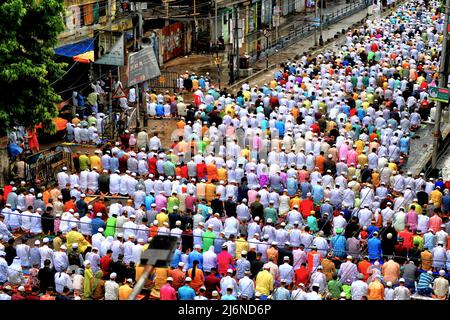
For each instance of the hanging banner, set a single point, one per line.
(142, 66)
(115, 56)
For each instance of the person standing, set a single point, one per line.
(112, 288)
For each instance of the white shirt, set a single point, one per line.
(128, 251)
(62, 280)
(46, 253)
(136, 253)
(111, 290)
(86, 225)
(359, 289)
(209, 260)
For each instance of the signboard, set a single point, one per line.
(172, 41)
(110, 46)
(439, 94)
(142, 66)
(113, 57)
(119, 93)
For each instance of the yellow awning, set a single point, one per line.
(85, 57)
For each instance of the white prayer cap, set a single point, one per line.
(37, 242)
(113, 275)
(45, 240)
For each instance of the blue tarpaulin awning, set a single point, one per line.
(75, 49)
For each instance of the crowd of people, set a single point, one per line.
(294, 190)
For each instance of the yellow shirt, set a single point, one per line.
(360, 146)
(245, 153)
(162, 217)
(241, 245)
(76, 237)
(222, 174)
(362, 159)
(307, 104)
(436, 197)
(96, 162)
(124, 292)
(392, 166)
(273, 84)
(264, 282)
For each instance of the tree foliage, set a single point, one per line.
(28, 34)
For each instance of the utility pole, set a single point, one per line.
(109, 14)
(441, 84)
(216, 39)
(315, 28)
(166, 6)
(236, 43)
(321, 23)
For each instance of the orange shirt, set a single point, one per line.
(178, 278)
(197, 281)
(46, 196)
(376, 291)
(363, 266)
(70, 205)
(320, 163)
(211, 171)
(295, 201)
(272, 253)
(124, 292)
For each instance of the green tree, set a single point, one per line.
(28, 34)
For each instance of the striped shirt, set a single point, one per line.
(425, 280)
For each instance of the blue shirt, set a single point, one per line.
(374, 248)
(96, 224)
(228, 297)
(149, 200)
(176, 258)
(338, 243)
(159, 110)
(195, 255)
(280, 127)
(186, 293)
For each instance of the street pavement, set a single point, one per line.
(203, 63)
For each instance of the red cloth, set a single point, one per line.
(32, 140)
(306, 206)
(99, 206)
(407, 238)
(6, 190)
(152, 165)
(105, 265)
(302, 276)
(201, 171)
(123, 163)
(211, 284)
(224, 261)
(184, 172)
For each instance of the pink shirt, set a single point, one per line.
(435, 223)
(161, 202)
(343, 152)
(352, 157)
(411, 219)
(251, 196)
(256, 143)
(167, 292)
